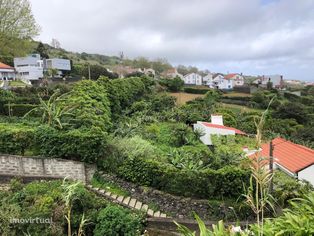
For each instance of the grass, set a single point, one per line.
(183, 98)
(99, 182)
(17, 83)
(237, 94)
(239, 108)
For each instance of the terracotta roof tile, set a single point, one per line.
(291, 156)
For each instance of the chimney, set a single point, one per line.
(217, 119)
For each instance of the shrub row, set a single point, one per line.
(196, 90)
(209, 183)
(18, 110)
(78, 144)
(240, 98)
(237, 102)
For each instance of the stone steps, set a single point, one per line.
(128, 201)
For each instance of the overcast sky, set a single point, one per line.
(249, 36)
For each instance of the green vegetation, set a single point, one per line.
(54, 200)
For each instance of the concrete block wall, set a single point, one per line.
(11, 165)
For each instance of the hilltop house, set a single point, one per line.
(237, 79)
(192, 79)
(171, 73)
(220, 82)
(6, 72)
(293, 159)
(215, 127)
(32, 68)
(275, 80)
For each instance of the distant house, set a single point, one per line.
(123, 71)
(294, 159)
(29, 68)
(275, 80)
(6, 72)
(150, 72)
(220, 82)
(171, 73)
(193, 79)
(237, 79)
(216, 127)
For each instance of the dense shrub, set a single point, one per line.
(15, 139)
(225, 182)
(92, 106)
(123, 92)
(79, 144)
(116, 221)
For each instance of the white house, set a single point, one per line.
(293, 159)
(237, 79)
(208, 79)
(6, 72)
(32, 67)
(276, 80)
(56, 63)
(215, 127)
(192, 79)
(220, 82)
(29, 68)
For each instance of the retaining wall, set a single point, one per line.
(38, 167)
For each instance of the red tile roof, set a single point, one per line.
(229, 76)
(223, 127)
(5, 66)
(291, 156)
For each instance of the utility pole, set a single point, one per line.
(88, 71)
(271, 165)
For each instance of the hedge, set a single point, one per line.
(18, 109)
(237, 102)
(78, 144)
(240, 98)
(209, 183)
(15, 139)
(196, 90)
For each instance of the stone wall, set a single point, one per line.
(11, 165)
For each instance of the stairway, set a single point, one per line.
(129, 202)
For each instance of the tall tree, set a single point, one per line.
(17, 27)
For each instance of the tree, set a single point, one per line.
(55, 43)
(173, 85)
(17, 26)
(42, 50)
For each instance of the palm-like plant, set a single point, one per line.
(53, 110)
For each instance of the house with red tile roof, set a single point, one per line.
(6, 72)
(216, 127)
(294, 159)
(237, 79)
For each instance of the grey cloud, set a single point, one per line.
(245, 35)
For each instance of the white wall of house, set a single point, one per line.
(208, 79)
(307, 174)
(59, 64)
(208, 131)
(29, 68)
(193, 78)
